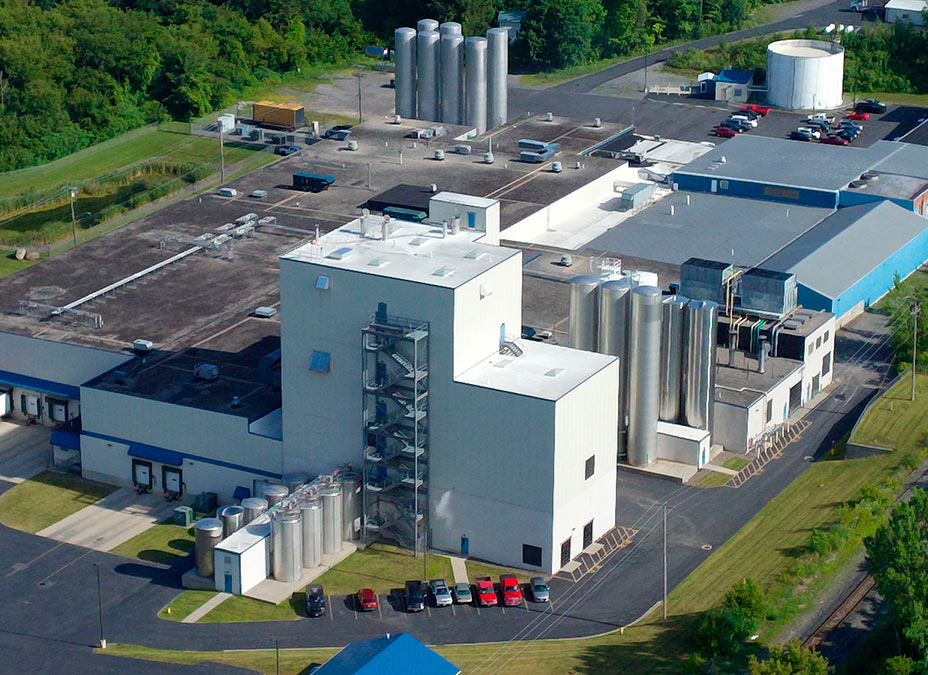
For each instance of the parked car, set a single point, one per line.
(440, 592)
(486, 594)
(315, 600)
(750, 114)
(540, 592)
(286, 150)
(858, 116)
(366, 600)
(800, 135)
(821, 117)
(724, 132)
(259, 194)
(834, 140)
(336, 134)
(227, 192)
(845, 124)
(814, 132)
(737, 125)
(761, 110)
(510, 589)
(462, 594)
(871, 105)
(824, 127)
(415, 596)
(744, 118)
(846, 134)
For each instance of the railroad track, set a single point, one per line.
(841, 613)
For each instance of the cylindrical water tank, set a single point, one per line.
(497, 77)
(294, 480)
(426, 24)
(452, 78)
(351, 507)
(208, 535)
(805, 74)
(614, 310)
(287, 558)
(644, 352)
(427, 63)
(312, 534)
(274, 494)
(405, 80)
(699, 362)
(232, 518)
(672, 357)
(475, 82)
(254, 507)
(584, 312)
(332, 530)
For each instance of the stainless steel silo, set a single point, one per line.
(208, 535)
(287, 558)
(332, 530)
(404, 46)
(584, 312)
(450, 28)
(673, 310)
(294, 480)
(699, 363)
(254, 507)
(426, 24)
(452, 78)
(427, 59)
(232, 518)
(644, 352)
(475, 83)
(497, 76)
(274, 494)
(351, 507)
(614, 319)
(312, 534)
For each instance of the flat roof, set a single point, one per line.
(892, 185)
(732, 383)
(907, 159)
(542, 371)
(413, 252)
(465, 200)
(909, 5)
(247, 536)
(727, 229)
(781, 161)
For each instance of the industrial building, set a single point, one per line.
(910, 11)
(805, 74)
(733, 86)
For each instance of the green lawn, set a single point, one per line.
(47, 498)
(162, 543)
(238, 608)
(292, 661)
(478, 569)
(714, 479)
(894, 421)
(382, 568)
(9, 263)
(736, 463)
(181, 606)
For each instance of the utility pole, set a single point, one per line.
(222, 158)
(100, 601)
(916, 310)
(73, 193)
(359, 76)
(277, 654)
(664, 603)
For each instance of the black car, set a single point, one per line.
(871, 105)
(737, 125)
(797, 135)
(415, 596)
(846, 134)
(822, 126)
(315, 600)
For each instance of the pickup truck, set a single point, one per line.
(510, 589)
(486, 594)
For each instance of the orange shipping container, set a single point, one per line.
(278, 114)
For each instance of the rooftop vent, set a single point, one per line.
(476, 254)
(554, 372)
(418, 241)
(379, 262)
(143, 346)
(236, 402)
(443, 272)
(340, 253)
(265, 312)
(502, 363)
(206, 371)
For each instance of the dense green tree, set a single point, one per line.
(901, 665)
(559, 33)
(792, 659)
(475, 16)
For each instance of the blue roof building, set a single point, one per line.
(400, 654)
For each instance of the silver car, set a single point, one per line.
(462, 594)
(540, 591)
(440, 592)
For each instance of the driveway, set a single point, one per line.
(24, 451)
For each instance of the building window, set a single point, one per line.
(780, 193)
(322, 283)
(320, 362)
(826, 336)
(818, 343)
(811, 348)
(826, 364)
(531, 555)
(769, 411)
(565, 552)
(588, 534)
(590, 467)
(723, 184)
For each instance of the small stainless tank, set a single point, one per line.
(274, 494)
(254, 507)
(287, 558)
(332, 519)
(232, 518)
(208, 535)
(312, 534)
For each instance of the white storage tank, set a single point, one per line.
(805, 74)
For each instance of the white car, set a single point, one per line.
(821, 117)
(228, 192)
(813, 132)
(745, 119)
(440, 592)
(259, 194)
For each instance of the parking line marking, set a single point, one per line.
(41, 555)
(428, 611)
(478, 611)
(89, 551)
(453, 613)
(379, 611)
(331, 609)
(502, 608)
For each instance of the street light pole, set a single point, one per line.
(277, 654)
(222, 157)
(916, 309)
(359, 76)
(664, 603)
(100, 603)
(73, 193)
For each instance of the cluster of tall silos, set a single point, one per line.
(666, 350)
(442, 77)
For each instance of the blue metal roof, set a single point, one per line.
(400, 654)
(66, 439)
(735, 76)
(154, 454)
(39, 384)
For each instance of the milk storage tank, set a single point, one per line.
(208, 535)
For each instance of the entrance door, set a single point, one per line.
(588, 534)
(465, 546)
(172, 480)
(816, 384)
(228, 584)
(141, 473)
(715, 186)
(471, 219)
(565, 552)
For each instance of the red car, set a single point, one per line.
(834, 140)
(724, 132)
(510, 590)
(761, 110)
(366, 599)
(486, 594)
(858, 116)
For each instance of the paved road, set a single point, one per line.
(817, 15)
(50, 599)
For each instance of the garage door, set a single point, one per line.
(795, 397)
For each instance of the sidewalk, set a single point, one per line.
(459, 568)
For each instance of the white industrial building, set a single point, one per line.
(911, 11)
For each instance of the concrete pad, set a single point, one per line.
(195, 582)
(459, 569)
(275, 592)
(720, 469)
(661, 468)
(206, 608)
(111, 521)
(25, 450)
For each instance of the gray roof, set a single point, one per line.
(791, 163)
(848, 245)
(57, 362)
(709, 227)
(907, 159)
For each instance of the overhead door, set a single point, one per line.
(795, 397)
(6, 404)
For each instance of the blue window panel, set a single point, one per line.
(241, 492)
(322, 283)
(320, 361)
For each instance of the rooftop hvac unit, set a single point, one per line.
(206, 371)
(143, 346)
(265, 312)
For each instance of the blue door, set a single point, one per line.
(502, 333)
(465, 546)
(471, 219)
(228, 586)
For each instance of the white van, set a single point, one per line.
(228, 192)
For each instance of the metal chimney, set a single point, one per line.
(732, 341)
(762, 357)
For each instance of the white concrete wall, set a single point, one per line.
(819, 344)
(586, 420)
(485, 219)
(677, 443)
(731, 425)
(17, 413)
(915, 18)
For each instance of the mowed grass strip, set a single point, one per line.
(894, 421)
(162, 543)
(47, 498)
(181, 606)
(382, 568)
(239, 608)
(292, 661)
